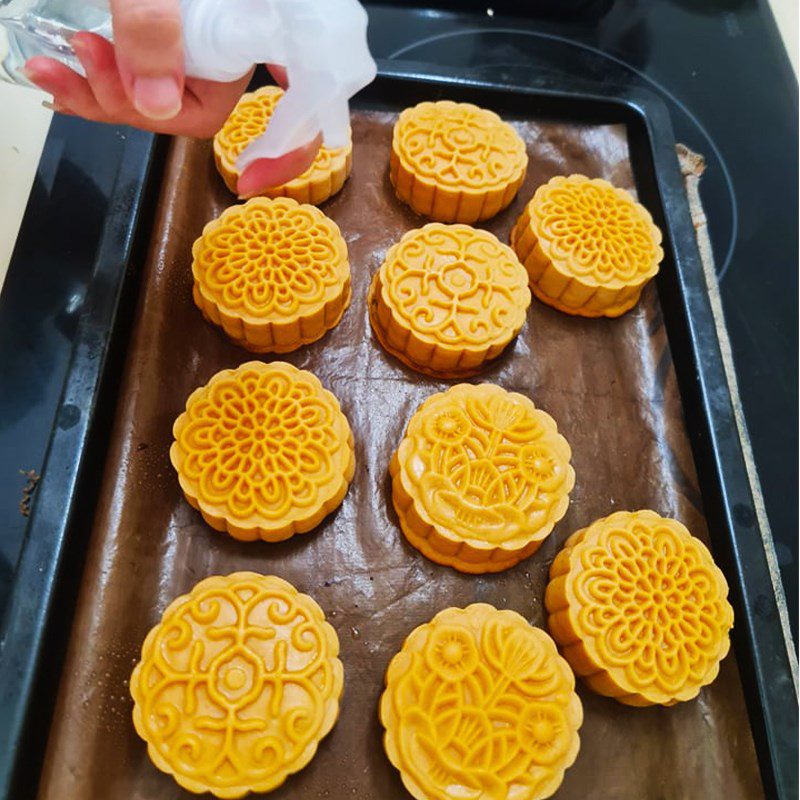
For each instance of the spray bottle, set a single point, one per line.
(321, 43)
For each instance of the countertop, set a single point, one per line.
(22, 135)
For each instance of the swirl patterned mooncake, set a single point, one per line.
(478, 704)
(588, 246)
(263, 451)
(448, 298)
(237, 685)
(639, 609)
(247, 121)
(455, 162)
(273, 274)
(480, 478)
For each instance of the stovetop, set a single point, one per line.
(721, 69)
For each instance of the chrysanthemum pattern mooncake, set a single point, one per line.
(273, 274)
(263, 451)
(588, 246)
(248, 120)
(639, 609)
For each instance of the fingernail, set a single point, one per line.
(55, 107)
(81, 50)
(247, 186)
(157, 98)
(245, 194)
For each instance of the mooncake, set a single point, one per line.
(480, 478)
(456, 162)
(237, 685)
(479, 704)
(589, 247)
(639, 609)
(447, 299)
(247, 121)
(263, 451)
(273, 274)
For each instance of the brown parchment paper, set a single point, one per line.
(609, 384)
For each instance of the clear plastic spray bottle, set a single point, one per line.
(322, 44)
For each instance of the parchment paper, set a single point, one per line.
(610, 386)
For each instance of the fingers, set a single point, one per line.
(100, 96)
(276, 171)
(149, 52)
(70, 91)
(96, 54)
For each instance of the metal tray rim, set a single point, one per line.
(771, 670)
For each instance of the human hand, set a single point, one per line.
(139, 80)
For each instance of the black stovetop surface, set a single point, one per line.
(721, 69)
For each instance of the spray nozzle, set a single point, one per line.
(322, 44)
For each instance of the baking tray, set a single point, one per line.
(643, 400)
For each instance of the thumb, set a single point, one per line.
(148, 42)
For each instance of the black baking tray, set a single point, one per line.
(39, 609)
